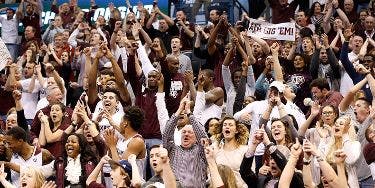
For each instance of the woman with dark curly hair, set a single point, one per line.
(76, 164)
(232, 146)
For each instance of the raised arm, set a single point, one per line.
(168, 19)
(315, 110)
(326, 20)
(211, 46)
(112, 41)
(216, 180)
(278, 72)
(349, 97)
(289, 169)
(120, 80)
(262, 43)
(161, 107)
(97, 170)
(93, 88)
(186, 29)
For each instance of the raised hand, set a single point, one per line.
(163, 155)
(42, 117)
(49, 184)
(264, 170)
(348, 32)
(132, 159)
(309, 148)
(296, 149)
(17, 95)
(315, 109)
(189, 77)
(110, 137)
(275, 47)
(339, 156)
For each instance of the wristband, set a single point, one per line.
(319, 159)
(306, 161)
(74, 124)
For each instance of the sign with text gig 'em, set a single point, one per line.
(102, 9)
(265, 30)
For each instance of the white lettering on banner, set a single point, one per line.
(265, 30)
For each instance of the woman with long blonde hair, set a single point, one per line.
(344, 138)
(232, 146)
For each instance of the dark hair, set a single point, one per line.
(235, 70)
(209, 73)
(288, 136)
(154, 146)
(87, 155)
(112, 91)
(312, 8)
(135, 116)
(162, 46)
(320, 83)
(206, 125)
(107, 72)
(17, 133)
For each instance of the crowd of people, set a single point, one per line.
(154, 101)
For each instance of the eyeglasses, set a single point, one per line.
(130, 22)
(327, 113)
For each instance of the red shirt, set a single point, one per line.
(281, 14)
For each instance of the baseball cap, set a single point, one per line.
(124, 164)
(278, 85)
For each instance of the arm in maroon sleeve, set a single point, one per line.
(133, 78)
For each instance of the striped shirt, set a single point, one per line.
(188, 164)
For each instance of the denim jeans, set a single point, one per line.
(13, 50)
(367, 183)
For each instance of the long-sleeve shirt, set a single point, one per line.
(188, 164)
(349, 68)
(330, 70)
(48, 35)
(231, 91)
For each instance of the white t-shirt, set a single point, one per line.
(29, 100)
(42, 103)
(9, 30)
(346, 82)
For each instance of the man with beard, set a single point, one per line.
(167, 28)
(350, 68)
(232, 81)
(32, 16)
(324, 64)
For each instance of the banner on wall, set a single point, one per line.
(103, 9)
(265, 30)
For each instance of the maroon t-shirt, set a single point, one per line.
(172, 100)
(281, 14)
(35, 125)
(146, 101)
(7, 101)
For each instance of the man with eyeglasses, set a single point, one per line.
(322, 93)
